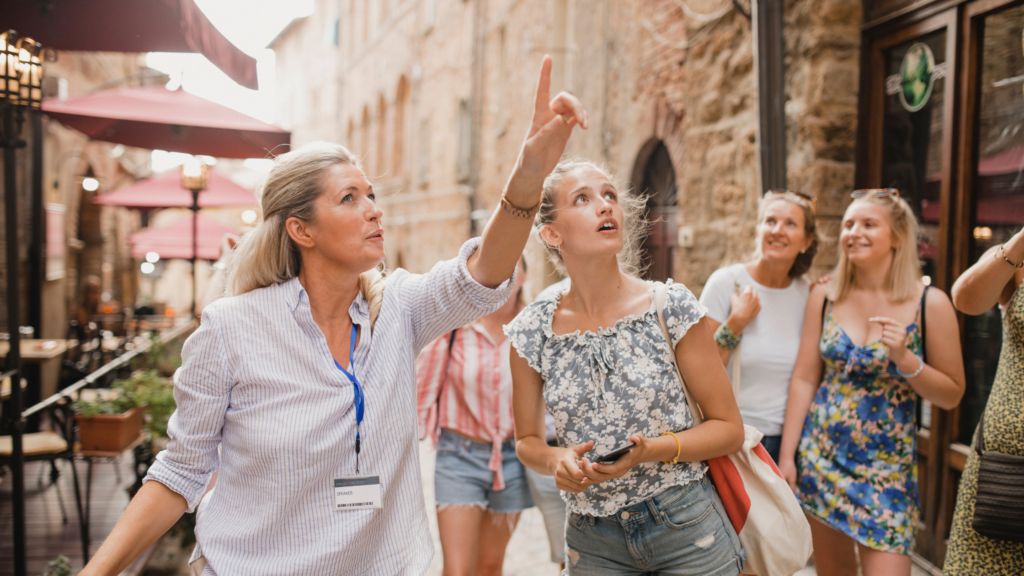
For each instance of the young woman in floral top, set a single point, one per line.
(596, 358)
(849, 440)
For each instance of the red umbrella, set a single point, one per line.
(165, 191)
(129, 26)
(156, 118)
(175, 239)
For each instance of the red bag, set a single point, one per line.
(760, 505)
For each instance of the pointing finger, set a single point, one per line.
(543, 85)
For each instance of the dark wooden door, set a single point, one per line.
(659, 183)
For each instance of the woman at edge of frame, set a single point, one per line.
(849, 440)
(596, 357)
(275, 509)
(994, 279)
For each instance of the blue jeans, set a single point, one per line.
(772, 445)
(461, 476)
(683, 531)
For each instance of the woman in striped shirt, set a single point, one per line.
(305, 378)
(464, 394)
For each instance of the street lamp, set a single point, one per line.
(21, 88)
(194, 176)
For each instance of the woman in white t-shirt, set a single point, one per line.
(761, 304)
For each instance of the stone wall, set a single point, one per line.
(646, 72)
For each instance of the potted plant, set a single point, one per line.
(110, 422)
(155, 394)
(59, 566)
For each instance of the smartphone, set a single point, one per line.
(609, 457)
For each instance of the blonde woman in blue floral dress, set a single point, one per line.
(874, 341)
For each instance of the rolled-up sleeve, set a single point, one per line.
(202, 389)
(448, 297)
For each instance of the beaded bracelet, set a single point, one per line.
(1002, 253)
(918, 371)
(726, 338)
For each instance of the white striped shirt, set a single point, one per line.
(258, 379)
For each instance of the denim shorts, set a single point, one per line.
(683, 531)
(461, 476)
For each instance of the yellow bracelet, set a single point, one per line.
(679, 448)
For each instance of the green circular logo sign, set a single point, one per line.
(916, 77)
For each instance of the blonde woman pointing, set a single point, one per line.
(305, 377)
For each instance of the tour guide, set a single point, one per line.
(305, 378)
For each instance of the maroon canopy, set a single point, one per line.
(175, 239)
(129, 26)
(165, 191)
(156, 118)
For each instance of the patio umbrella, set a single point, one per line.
(174, 120)
(165, 191)
(175, 239)
(130, 26)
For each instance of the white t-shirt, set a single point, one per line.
(769, 346)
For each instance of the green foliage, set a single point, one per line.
(59, 566)
(146, 390)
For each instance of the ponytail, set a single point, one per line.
(266, 255)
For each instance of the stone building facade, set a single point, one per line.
(435, 96)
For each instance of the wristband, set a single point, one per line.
(516, 211)
(726, 338)
(909, 376)
(679, 449)
(1002, 253)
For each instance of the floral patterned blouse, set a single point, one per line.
(609, 385)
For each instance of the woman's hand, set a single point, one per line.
(552, 124)
(788, 469)
(745, 307)
(568, 475)
(597, 473)
(894, 336)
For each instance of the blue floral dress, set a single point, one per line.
(857, 455)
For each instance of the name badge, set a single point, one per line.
(357, 492)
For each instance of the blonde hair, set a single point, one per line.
(635, 224)
(905, 272)
(805, 259)
(266, 255)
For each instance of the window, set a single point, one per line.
(423, 163)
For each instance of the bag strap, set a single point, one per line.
(444, 375)
(659, 304)
(979, 438)
(924, 325)
(735, 357)
(824, 310)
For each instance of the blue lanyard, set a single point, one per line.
(357, 390)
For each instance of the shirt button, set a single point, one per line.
(624, 515)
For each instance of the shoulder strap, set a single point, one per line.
(444, 375)
(659, 304)
(924, 324)
(979, 438)
(824, 310)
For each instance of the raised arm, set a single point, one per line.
(992, 279)
(804, 383)
(505, 235)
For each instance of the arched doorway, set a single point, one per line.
(657, 179)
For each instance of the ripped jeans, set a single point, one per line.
(683, 531)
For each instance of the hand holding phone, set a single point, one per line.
(609, 457)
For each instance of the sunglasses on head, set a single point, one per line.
(807, 198)
(876, 192)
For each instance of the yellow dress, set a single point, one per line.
(970, 553)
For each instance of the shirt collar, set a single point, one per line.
(295, 294)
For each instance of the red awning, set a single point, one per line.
(174, 120)
(129, 26)
(1005, 162)
(165, 191)
(175, 239)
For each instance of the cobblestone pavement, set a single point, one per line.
(528, 553)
